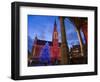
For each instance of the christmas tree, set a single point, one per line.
(45, 55)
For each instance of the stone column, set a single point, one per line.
(80, 41)
(85, 30)
(77, 22)
(64, 45)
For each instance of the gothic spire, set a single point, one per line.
(55, 26)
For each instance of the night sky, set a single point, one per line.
(43, 26)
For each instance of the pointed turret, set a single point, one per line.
(34, 46)
(55, 33)
(55, 27)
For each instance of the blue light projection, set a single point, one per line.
(45, 55)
